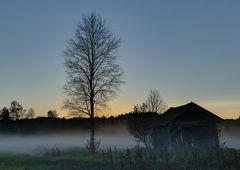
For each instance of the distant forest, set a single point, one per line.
(52, 125)
(17, 120)
(44, 125)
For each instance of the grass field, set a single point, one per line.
(30, 162)
(140, 159)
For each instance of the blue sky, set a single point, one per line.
(188, 50)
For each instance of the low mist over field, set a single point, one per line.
(230, 135)
(110, 137)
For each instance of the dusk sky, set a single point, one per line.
(188, 50)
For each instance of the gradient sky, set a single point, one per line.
(188, 50)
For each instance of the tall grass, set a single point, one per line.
(128, 159)
(187, 159)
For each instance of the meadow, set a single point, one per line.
(114, 159)
(55, 145)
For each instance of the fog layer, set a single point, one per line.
(114, 137)
(229, 135)
(110, 137)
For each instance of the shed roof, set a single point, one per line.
(174, 112)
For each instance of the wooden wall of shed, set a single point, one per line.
(161, 138)
(174, 135)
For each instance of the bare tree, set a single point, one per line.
(143, 108)
(16, 110)
(154, 102)
(30, 114)
(145, 114)
(138, 127)
(4, 114)
(93, 76)
(52, 114)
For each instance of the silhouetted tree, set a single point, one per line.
(52, 114)
(153, 103)
(147, 112)
(30, 114)
(139, 127)
(140, 108)
(93, 76)
(16, 110)
(5, 114)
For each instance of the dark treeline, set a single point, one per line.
(53, 125)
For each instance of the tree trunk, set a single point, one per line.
(92, 137)
(92, 128)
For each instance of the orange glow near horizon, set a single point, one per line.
(226, 110)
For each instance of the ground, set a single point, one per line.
(139, 159)
(29, 162)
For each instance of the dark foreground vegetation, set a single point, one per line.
(112, 159)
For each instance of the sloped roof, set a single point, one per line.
(174, 112)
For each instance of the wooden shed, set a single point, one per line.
(183, 126)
